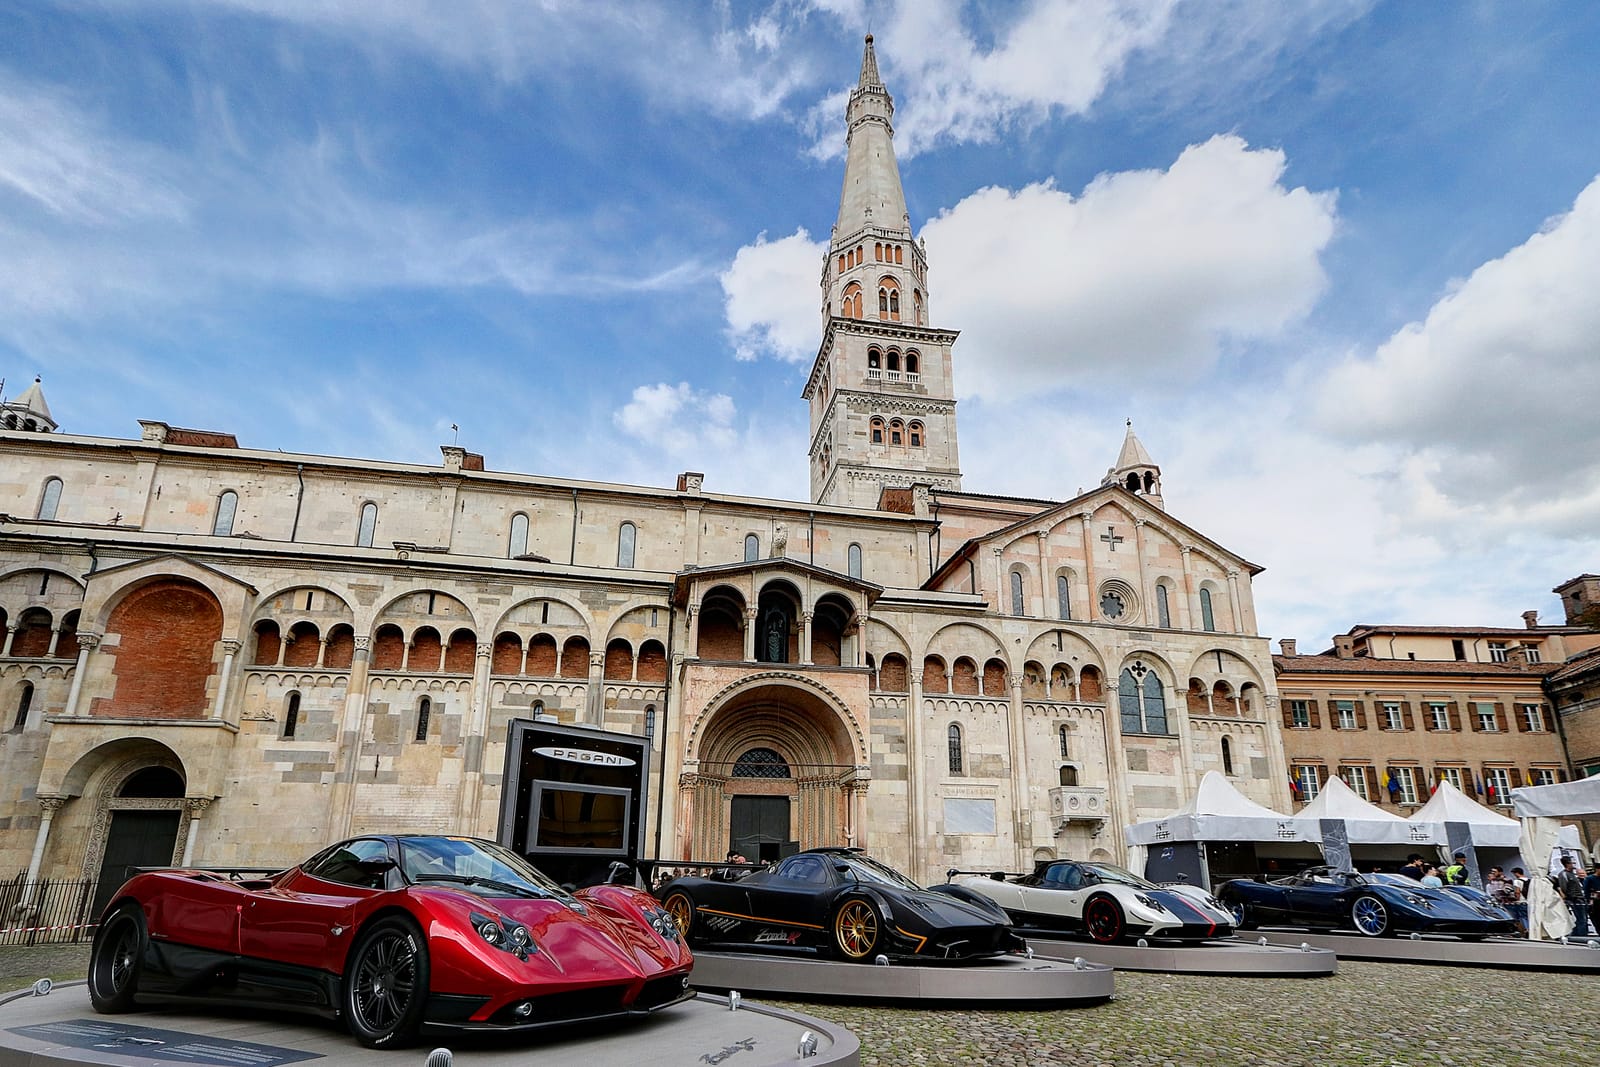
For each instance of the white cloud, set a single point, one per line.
(1490, 398)
(1146, 271)
(678, 419)
(678, 427)
(764, 291)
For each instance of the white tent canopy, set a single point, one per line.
(1580, 799)
(1449, 804)
(1219, 812)
(1365, 823)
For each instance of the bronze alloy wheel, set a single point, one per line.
(681, 908)
(856, 928)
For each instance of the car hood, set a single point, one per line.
(946, 910)
(588, 940)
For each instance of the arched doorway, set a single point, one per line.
(776, 772)
(139, 812)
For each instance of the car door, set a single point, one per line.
(1057, 896)
(797, 893)
(304, 919)
(1316, 898)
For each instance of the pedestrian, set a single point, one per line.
(1431, 878)
(1503, 892)
(732, 874)
(1570, 884)
(1456, 873)
(1414, 867)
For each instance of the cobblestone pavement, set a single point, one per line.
(1369, 1014)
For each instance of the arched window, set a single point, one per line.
(953, 738)
(227, 506)
(24, 702)
(916, 303)
(1142, 703)
(894, 304)
(50, 500)
(424, 712)
(1208, 622)
(1069, 775)
(761, 763)
(1063, 734)
(842, 266)
(897, 432)
(291, 715)
(627, 534)
(877, 430)
(1018, 604)
(752, 548)
(369, 525)
(853, 561)
(874, 359)
(877, 251)
(883, 303)
(1063, 598)
(518, 545)
(915, 432)
(1227, 757)
(899, 254)
(1163, 611)
(913, 363)
(852, 301)
(650, 721)
(894, 360)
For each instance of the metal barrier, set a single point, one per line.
(54, 911)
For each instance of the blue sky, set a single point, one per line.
(1339, 261)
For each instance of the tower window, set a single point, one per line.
(916, 434)
(897, 432)
(752, 548)
(227, 506)
(853, 561)
(627, 534)
(518, 545)
(369, 525)
(50, 500)
(912, 363)
(424, 712)
(894, 360)
(953, 740)
(877, 431)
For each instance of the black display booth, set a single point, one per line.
(573, 799)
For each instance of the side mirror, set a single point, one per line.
(842, 868)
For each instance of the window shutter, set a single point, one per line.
(1322, 776)
(1474, 718)
(1316, 717)
(1500, 717)
(1454, 711)
(1516, 779)
(1561, 774)
(1361, 714)
(1522, 722)
(1288, 714)
(1549, 718)
(1373, 791)
(1406, 716)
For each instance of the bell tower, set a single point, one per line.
(883, 409)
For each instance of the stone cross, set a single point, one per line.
(1111, 538)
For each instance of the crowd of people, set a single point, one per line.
(1578, 888)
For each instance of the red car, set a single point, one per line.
(393, 935)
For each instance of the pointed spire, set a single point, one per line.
(1135, 471)
(1133, 453)
(869, 68)
(28, 411)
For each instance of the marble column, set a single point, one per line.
(805, 640)
(87, 643)
(48, 806)
(750, 635)
(342, 805)
(197, 808)
(11, 635)
(595, 704)
(915, 784)
(1021, 794)
(230, 649)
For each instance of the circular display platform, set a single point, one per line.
(61, 1028)
(1232, 957)
(1503, 952)
(1010, 980)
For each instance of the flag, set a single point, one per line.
(1294, 786)
(1391, 783)
(1434, 788)
(1479, 784)
(1491, 790)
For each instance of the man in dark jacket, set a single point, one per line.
(1569, 883)
(1414, 867)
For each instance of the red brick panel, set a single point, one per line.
(575, 658)
(619, 662)
(33, 634)
(964, 679)
(267, 644)
(721, 637)
(461, 656)
(389, 648)
(305, 646)
(427, 650)
(341, 648)
(994, 678)
(934, 678)
(892, 676)
(542, 656)
(1091, 688)
(652, 662)
(507, 655)
(168, 633)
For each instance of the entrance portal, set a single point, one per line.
(135, 839)
(759, 828)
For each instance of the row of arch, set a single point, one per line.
(1119, 602)
(890, 360)
(897, 432)
(852, 301)
(35, 634)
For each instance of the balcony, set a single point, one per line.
(1077, 803)
(879, 376)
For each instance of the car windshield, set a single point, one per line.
(1117, 876)
(476, 864)
(868, 869)
(1378, 878)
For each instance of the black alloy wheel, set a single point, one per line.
(1102, 918)
(116, 959)
(386, 984)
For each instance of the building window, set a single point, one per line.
(1062, 733)
(1163, 610)
(518, 545)
(915, 430)
(953, 738)
(369, 525)
(1532, 652)
(424, 712)
(1018, 605)
(1346, 710)
(1532, 718)
(1300, 714)
(1142, 703)
(1439, 713)
(1541, 776)
(877, 431)
(24, 702)
(1208, 621)
(50, 500)
(1451, 775)
(752, 548)
(650, 721)
(761, 763)
(1063, 598)
(1403, 785)
(853, 561)
(1309, 781)
(1227, 757)
(1486, 717)
(1497, 651)
(1356, 779)
(897, 432)
(291, 715)
(1392, 717)
(1497, 784)
(227, 506)
(627, 534)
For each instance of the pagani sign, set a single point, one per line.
(586, 756)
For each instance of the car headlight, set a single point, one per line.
(1150, 902)
(1421, 902)
(510, 936)
(662, 922)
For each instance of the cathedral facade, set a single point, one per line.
(220, 655)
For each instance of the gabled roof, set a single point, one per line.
(684, 578)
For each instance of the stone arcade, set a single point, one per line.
(233, 656)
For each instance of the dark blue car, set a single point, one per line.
(1376, 905)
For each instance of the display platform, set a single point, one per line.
(1008, 980)
(1223, 956)
(1504, 952)
(61, 1028)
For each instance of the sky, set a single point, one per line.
(1337, 260)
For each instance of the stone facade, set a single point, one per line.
(240, 655)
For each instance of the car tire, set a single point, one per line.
(857, 929)
(680, 906)
(1242, 917)
(1370, 916)
(386, 983)
(116, 960)
(1103, 919)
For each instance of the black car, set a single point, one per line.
(840, 902)
(1372, 904)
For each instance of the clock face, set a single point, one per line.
(1111, 605)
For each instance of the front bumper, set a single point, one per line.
(456, 1013)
